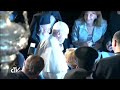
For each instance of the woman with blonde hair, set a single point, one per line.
(71, 58)
(89, 30)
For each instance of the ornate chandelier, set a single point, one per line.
(13, 37)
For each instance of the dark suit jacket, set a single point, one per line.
(17, 75)
(79, 73)
(108, 68)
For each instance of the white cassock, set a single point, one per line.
(55, 61)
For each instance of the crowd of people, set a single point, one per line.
(64, 53)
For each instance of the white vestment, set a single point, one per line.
(55, 61)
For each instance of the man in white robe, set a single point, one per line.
(50, 50)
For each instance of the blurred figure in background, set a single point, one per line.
(41, 26)
(113, 26)
(41, 29)
(43, 18)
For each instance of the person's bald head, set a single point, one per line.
(34, 64)
(116, 42)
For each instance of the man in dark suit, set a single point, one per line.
(109, 68)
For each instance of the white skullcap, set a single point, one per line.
(62, 26)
